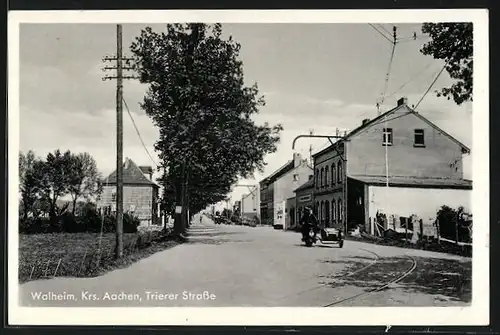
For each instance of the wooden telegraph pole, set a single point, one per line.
(119, 59)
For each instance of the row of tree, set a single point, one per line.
(198, 99)
(43, 182)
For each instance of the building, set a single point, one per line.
(303, 198)
(279, 187)
(398, 164)
(250, 203)
(140, 193)
(266, 187)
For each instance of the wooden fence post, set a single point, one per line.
(57, 268)
(83, 261)
(32, 270)
(47, 268)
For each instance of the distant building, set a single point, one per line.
(140, 193)
(279, 187)
(397, 164)
(303, 198)
(250, 203)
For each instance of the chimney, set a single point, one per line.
(402, 101)
(148, 171)
(297, 159)
(365, 121)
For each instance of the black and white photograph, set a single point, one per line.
(249, 159)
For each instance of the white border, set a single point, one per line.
(476, 314)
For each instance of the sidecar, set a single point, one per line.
(332, 236)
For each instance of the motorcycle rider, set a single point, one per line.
(307, 222)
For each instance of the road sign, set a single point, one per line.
(178, 209)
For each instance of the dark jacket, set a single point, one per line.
(309, 219)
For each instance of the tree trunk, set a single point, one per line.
(74, 206)
(178, 216)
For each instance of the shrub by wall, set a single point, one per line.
(89, 222)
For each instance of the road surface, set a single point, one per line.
(224, 266)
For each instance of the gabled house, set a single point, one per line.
(140, 193)
(397, 164)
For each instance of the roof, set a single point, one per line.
(418, 182)
(132, 175)
(306, 185)
(281, 171)
(381, 116)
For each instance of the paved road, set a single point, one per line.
(238, 266)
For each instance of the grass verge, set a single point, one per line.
(45, 256)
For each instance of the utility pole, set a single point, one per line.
(119, 132)
(311, 132)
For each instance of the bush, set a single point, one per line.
(89, 222)
(447, 221)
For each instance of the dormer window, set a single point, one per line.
(419, 140)
(387, 136)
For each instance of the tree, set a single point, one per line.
(453, 43)
(55, 174)
(29, 183)
(84, 178)
(198, 99)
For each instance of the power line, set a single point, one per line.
(138, 133)
(387, 31)
(386, 84)
(430, 86)
(381, 33)
(410, 80)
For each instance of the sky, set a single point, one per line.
(314, 77)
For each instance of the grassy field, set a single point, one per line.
(43, 256)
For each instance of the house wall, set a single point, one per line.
(291, 213)
(266, 203)
(441, 156)
(136, 199)
(423, 202)
(284, 186)
(330, 189)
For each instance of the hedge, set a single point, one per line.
(89, 222)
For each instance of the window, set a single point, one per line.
(334, 214)
(339, 172)
(327, 213)
(322, 212)
(321, 177)
(295, 177)
(333, 174)
(419, 138)
(387, 136)
(339, 209)
(317, 178)
(326, 176)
